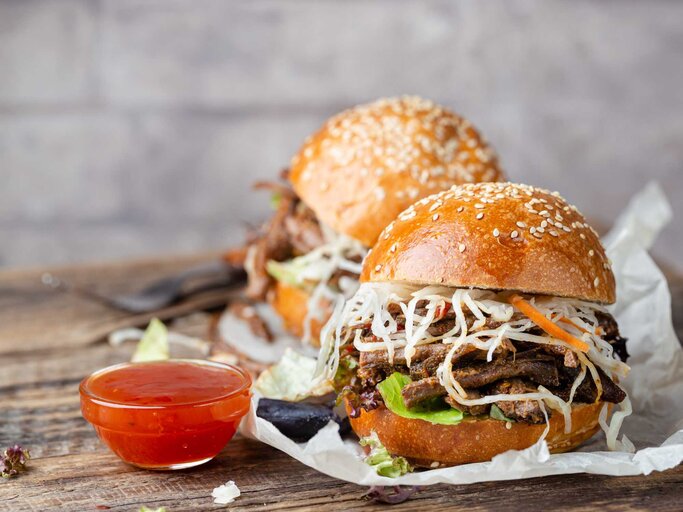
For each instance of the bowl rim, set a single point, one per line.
(86, 393)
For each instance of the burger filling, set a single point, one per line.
(480, 353)
(296, 249)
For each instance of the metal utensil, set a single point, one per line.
(213, 275)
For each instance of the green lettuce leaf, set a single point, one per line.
(275, 199)
(291, 379)
(381, 460)
(145, 508)
(497, 414)
(433, 412)
(287, 272)
(154, 343)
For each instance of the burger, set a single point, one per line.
(480, 326)
(346, 183)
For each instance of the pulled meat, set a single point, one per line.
(380, 358)
(425, 389)
(517, 368)
(587, 391)
(611, 334)
(425, 360)
(375, 366)
(303, 230)
(293, 230)
(472, 410)
(521, 410)
(541, 370)
(246, 312)
(569, 357)
(527, 411)
(425, 368)
(445, 321)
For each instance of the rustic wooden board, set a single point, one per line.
(50, 340)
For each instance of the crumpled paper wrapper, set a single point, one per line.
(655, 385)
(236, 333)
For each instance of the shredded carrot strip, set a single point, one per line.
(547, 325)
(567, 321)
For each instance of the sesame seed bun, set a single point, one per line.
(368, 163)
(498, 236)
(291, 303)
(475, 439)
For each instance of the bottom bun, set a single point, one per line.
(473, 439)
(291, 303)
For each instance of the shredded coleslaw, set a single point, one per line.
(317, 268)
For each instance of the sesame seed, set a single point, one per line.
(596, 282)
(591, 252)
(583, 237)
(393, 248)
(496, 232)
(435, 216)
(460, 208)
(378, 268)
(514, 234)
(544, 224)
(553, 232)
(479, 206)
(461, 247)
(520, 224)
(480, 216)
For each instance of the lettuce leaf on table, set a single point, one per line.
(154, 343)
(381, 460)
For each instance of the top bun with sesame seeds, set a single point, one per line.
(498, 236)
(368, 163)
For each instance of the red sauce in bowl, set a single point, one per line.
(166, 414)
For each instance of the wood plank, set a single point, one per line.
(49, 342)
(35, 317)
(269, 480)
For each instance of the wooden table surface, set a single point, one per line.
(50, 340)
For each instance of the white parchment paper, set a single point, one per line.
(655, 384)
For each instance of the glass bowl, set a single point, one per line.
(166, 415)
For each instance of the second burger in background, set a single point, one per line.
(347, 182)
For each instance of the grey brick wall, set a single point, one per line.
(131, 127)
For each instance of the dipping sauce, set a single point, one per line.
(167, 414)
